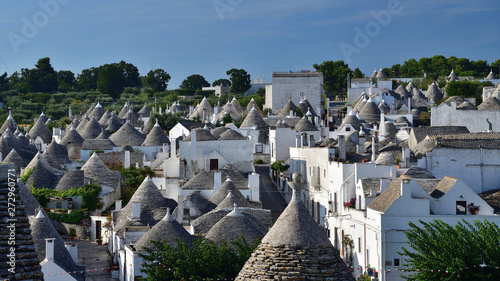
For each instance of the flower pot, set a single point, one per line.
(73, 237)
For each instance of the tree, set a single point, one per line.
(113, 78)
(194, 82)
(87, 80)
(334, 75)
(66, 80)
(4, 82)
(467, 89)
(157, 80)
(240, 80)
(495, 66)
(45, 77)
(357, 73)
(223, 82)
(443, 252)
(410, 68)
(204, 260)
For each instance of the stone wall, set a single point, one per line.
(294, 263)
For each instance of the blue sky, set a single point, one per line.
(208, 37)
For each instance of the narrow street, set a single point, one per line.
(270, 196)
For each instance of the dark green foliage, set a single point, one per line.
(467, 89)
(223, 82)
(166, 121)
(194, 82)
(66, 80)
(438, 246)
(157, 80)
(357, 73)
(133, 178)
(205, 260)
(74, 217)
(89, 192)
(279, 166)
(240, 80)
(334, 75)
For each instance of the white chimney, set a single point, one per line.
(118, 205)
(383, 185)
(298, 141)
(180, 209)
(49, 248)
(342, 152)
(73, 251)
(405, 188)
(136, 210)
(217, 180)
(127, 159)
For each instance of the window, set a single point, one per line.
(58, 205)
(324, 173)
(258, 148)
(335, 201)
(347, 129)
(461, 207)
(396, 262)
(367, 256)
(359, 244)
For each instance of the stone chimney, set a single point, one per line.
(118, 205)
(298, 141)
(311, 141)
(73, 251)
(190, 110)
(180, 209)
(383, 185)
(374, 149)
(342, 152)
(49, 249)
(136, 210)
(127, 159)
(217, 180)
(405, 188)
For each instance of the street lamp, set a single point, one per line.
(156, 262)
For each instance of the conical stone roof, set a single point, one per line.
(145, 111)
(452, 76)
(97, 112)
(237, 106)
(104, 118)
(43, 175)
(9, 123)
(252, 104)
(82, 124)
(410, 87)
(352, 120)
(254, 119)
(96, 170)
(14, 158)
(433, 92)
(71, 179)
(201, 135)
(147, 127)
(216, 132)
(285, 110)
(114, 123)
(123, 111)
(167, 230)
(417, 94)
(27, 262)
(41, 130)
(224, 189)
(233, 226)
(91, 130)
(231, 110)
(156, 137)
(466, 105)
(360, 104)
(198, 111)
(385, 159)
(229, 201)
(153, 206)
(295, 236)
(370, 111)
(381, 74)
(490, 103)
(127, 134)
(384, 107)
(402, 92)
(490, 76)
(305, 106)
(59, 152)
(304, 125)
(72, 137)
(231, 135)
(374, 74)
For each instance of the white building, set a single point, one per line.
(447, 114)
(295, 86)
(219, 90)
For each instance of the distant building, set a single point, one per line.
(219, 89)
(295, 86)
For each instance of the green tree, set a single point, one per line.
(4, 82)
(194, 82)
(113, 78)
(87, 80)
(157, 80)
(240, 80)
(45, 77)
(467, 89)
(495, 66)
(443, 252)
(66, 80)
(357, 73)
(334, 75)
(204, 260)
(223, 82)
(410, 68)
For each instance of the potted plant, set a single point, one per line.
(473, 209)
(397, 163)
(99, 240)
(72, 233)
